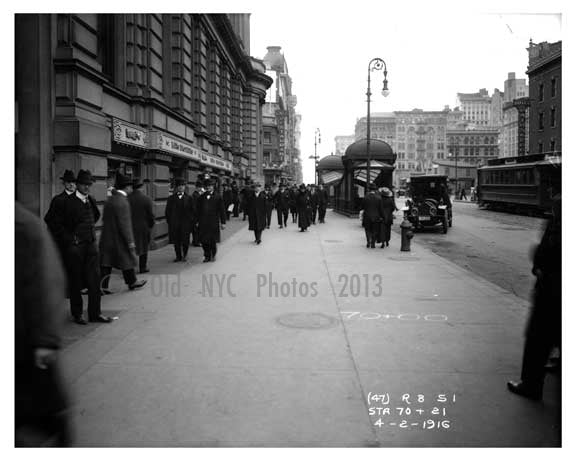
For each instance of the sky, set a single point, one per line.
(432, 51)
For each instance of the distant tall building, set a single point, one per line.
(481, 109)
(342, 143)
(545, 90)
(514, 90)
(281, 124)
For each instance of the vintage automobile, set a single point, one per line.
(429, 203)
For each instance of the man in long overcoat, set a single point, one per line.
(282, 204)
(257, 213)
(117, 245)
(322, 203)
(303, 208)
(142, 211)
(55, 216)
(211, 218)
(544, 329)
(373, 215)
(180, 215)
(389, 206)
(82, 258)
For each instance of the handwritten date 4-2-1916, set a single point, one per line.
(427, 424)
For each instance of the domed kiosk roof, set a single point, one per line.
(331, 162)
(379, 150)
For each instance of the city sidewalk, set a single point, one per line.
(309, 339)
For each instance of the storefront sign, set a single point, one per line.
(166, 143)
(161, 141)
(215, 162)
(126, 133)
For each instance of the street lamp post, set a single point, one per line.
(317, 140)
(374, 64)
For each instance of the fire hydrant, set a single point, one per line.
(406, 233)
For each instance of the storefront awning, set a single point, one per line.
(374, 164)
(360, 176)
(331, 177)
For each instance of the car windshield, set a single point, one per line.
(430, 188)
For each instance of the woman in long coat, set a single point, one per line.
(303, 208)
(389, 207)
(257, 213)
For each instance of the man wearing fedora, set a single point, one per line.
(142, 211)
(180, 214)
(82, 258)
(117, 245)
(55, 215)
(211, 217)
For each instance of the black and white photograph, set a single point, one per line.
(288, 225)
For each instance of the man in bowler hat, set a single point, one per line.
(142, 211)
(55, 215)
(117, 245)
(180, 216)
(211, 218)
(282, 205)
(82, 257)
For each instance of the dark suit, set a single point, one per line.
(142, 211)
(54, 220)
(303, 210)
(322, 204)
(282, 204)
(180, 215)
(372, 217)
(257, 215)
(82, 257)
(211, 215)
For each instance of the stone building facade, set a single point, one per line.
(545, 91)
(156, 96)
(281, 129)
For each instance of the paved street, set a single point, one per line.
(309, 339)
(493, 245)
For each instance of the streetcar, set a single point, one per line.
(519, 184)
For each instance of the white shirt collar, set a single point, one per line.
(68, 192)
(81, 196)
(122, 192)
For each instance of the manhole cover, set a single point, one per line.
(404, 258)
(306, 320)
(333, 241)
